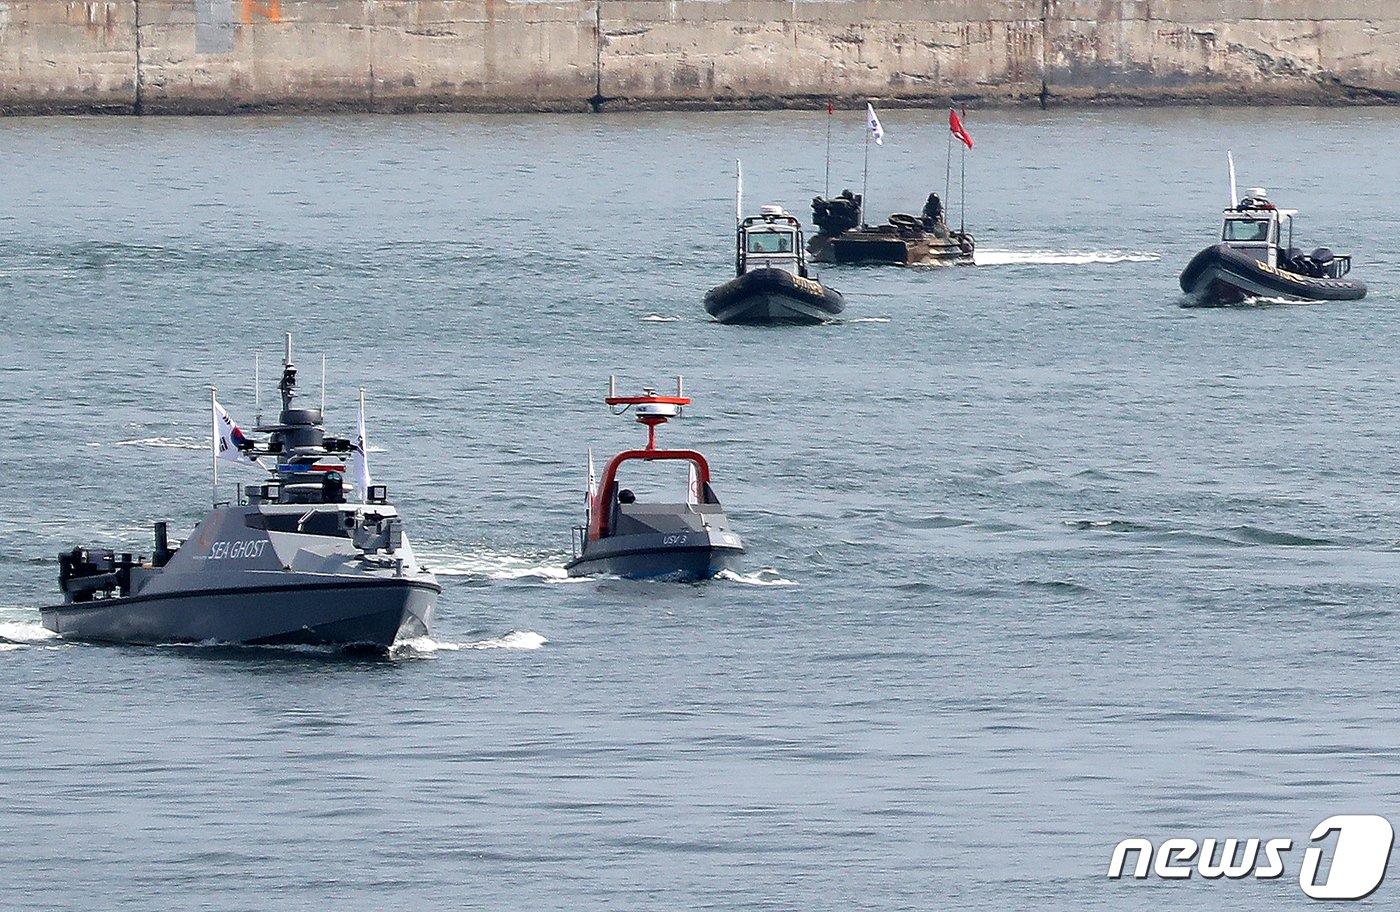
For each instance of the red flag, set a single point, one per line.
(830, 108)
(956, 125)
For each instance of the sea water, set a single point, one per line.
(1039, 560)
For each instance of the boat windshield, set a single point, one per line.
(770, 242)
(1246, 230)
(314, 522)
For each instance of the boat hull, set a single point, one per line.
(687, 565)
(681, 556)
(1219, 275)
(888, 248)
(773, 296)
(366, 614)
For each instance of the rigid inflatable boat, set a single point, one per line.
(1256, 259)
(772, 283)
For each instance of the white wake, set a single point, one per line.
(1060, 257)
(19, 634)
(171, 443)
(516, 639)
(496, 565)
(765, 577)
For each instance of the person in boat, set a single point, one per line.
(852, 203)
(626, 496)
(841, 213)
(933, 211)
(933, 216)
(1250, 231)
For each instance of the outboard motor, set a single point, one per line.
(1331, 265)
(1296, 261)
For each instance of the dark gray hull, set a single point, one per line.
(367, 614)
(768, 297)
(1219, 275)
(682, 564)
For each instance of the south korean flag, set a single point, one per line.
(230, 436)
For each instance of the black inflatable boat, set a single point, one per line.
(771, 295)
(772, 284)
(1253, 261)
(1222, 275)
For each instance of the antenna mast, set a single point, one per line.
(288, 385)
(1234, 193)
(738, 191)
(651, 410)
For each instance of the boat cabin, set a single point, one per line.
(1255, 227)
(771, 240)
(616, 510)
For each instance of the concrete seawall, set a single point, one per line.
(217, 56)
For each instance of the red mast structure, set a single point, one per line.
(653, 411)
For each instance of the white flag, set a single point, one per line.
(359, 458)
(877, 132)
(229, 437)
(692, 490)
(591, 492)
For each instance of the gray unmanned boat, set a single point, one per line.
(294, 562)
(685, 541)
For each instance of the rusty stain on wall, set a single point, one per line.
(267, 9)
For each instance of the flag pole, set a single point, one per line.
(323, 386)
(865, 181)
(962, 186)
(948, 172)
(257, 384)
(214, 443)
(829, 114)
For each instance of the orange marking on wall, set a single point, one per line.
(268, 9)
